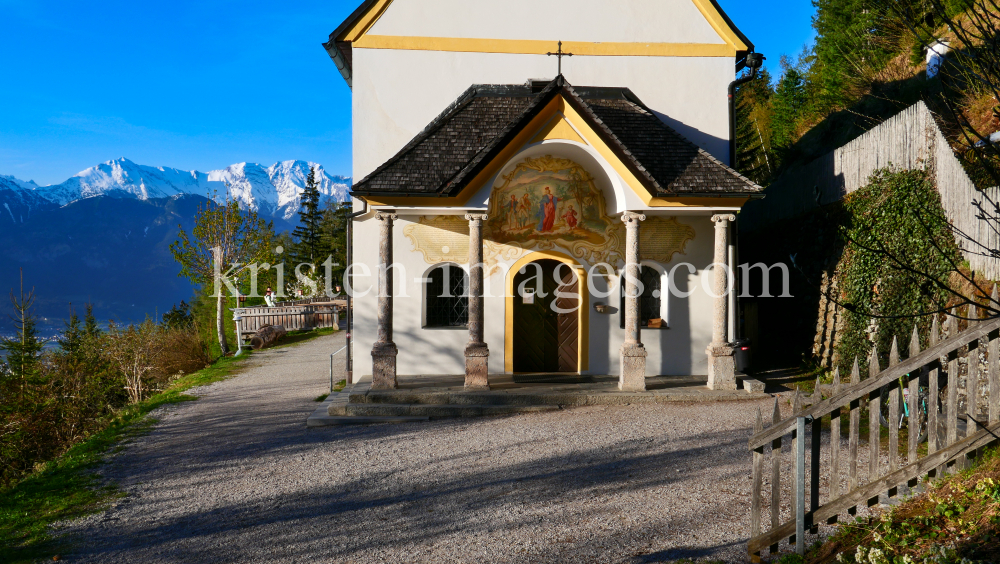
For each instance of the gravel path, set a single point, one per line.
(237, 476)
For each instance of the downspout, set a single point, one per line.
(753, 62)
(350, 288)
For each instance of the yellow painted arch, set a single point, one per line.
(583, 325)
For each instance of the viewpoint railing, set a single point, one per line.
(932, 370)
(292, 318)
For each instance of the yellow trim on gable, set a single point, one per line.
(358, 35)
(539, 47)
(365, 22)
(719, 24)
(583, 325)
(558, 128)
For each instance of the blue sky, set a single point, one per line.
(202, 85)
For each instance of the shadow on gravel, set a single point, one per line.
(684, 553)
(422, 499)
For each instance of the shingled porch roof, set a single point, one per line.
(469, 134)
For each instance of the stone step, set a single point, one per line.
(399, 397)
(329, 421)
(440, 410)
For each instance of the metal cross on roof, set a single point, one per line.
(560, 55)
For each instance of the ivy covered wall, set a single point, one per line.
(861, 271)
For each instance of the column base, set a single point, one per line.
(477, 370)
(384, 366)
(633, 368)
(721, 367)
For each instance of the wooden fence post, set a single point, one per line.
(775, 475)
(933, 396)
(874, 432)
(951, 413)
(758, 475)
(800, 485)
(971, 385)
(893, 420)
(854, 437)
(835, 443)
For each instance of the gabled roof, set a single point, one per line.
(454, 148)
(340, 43)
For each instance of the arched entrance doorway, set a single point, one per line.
(546, 317)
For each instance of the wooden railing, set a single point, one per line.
(292, 318)
(933, 369)
(310, 301)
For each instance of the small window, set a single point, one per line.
(447, 301)
(649, 299)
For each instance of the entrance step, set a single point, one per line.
(406, 397)
(440, 410)
(329, 421)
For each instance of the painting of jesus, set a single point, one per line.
(547, 211)
(556, 201)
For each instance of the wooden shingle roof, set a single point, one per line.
(465, 138)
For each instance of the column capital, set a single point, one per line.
(723, 217)
(629, 217)
(383, 215)
(476, 216)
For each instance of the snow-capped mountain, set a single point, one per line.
(273, 191)
(19, 200)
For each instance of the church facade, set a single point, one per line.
(543, 188)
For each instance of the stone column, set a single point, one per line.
(477, 353)
(721, 354)
(633, 355)
(384, 352)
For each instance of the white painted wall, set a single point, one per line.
(396, 94)
(655, 21)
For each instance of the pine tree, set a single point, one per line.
(179, 316)
(24, 350)
(787, 104)
(754, 158)
(90, 327)
(72, 336)
(333, 241)
(308, 233)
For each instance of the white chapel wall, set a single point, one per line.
(654, 21)
(397, 93)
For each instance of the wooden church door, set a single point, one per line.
(544, 339)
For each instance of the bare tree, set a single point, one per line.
(135, 350)
(226, 242)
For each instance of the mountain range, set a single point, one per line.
(104, 235)
(274, 191)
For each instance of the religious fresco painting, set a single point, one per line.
(548, 201)
(542, 203)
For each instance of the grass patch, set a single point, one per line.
(322, 397)
(339, 386)
(297, 337)
(66, 489)
(958, 517)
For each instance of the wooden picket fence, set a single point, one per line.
(292, 318)
(934, 368)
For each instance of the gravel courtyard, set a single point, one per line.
(237, 476)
